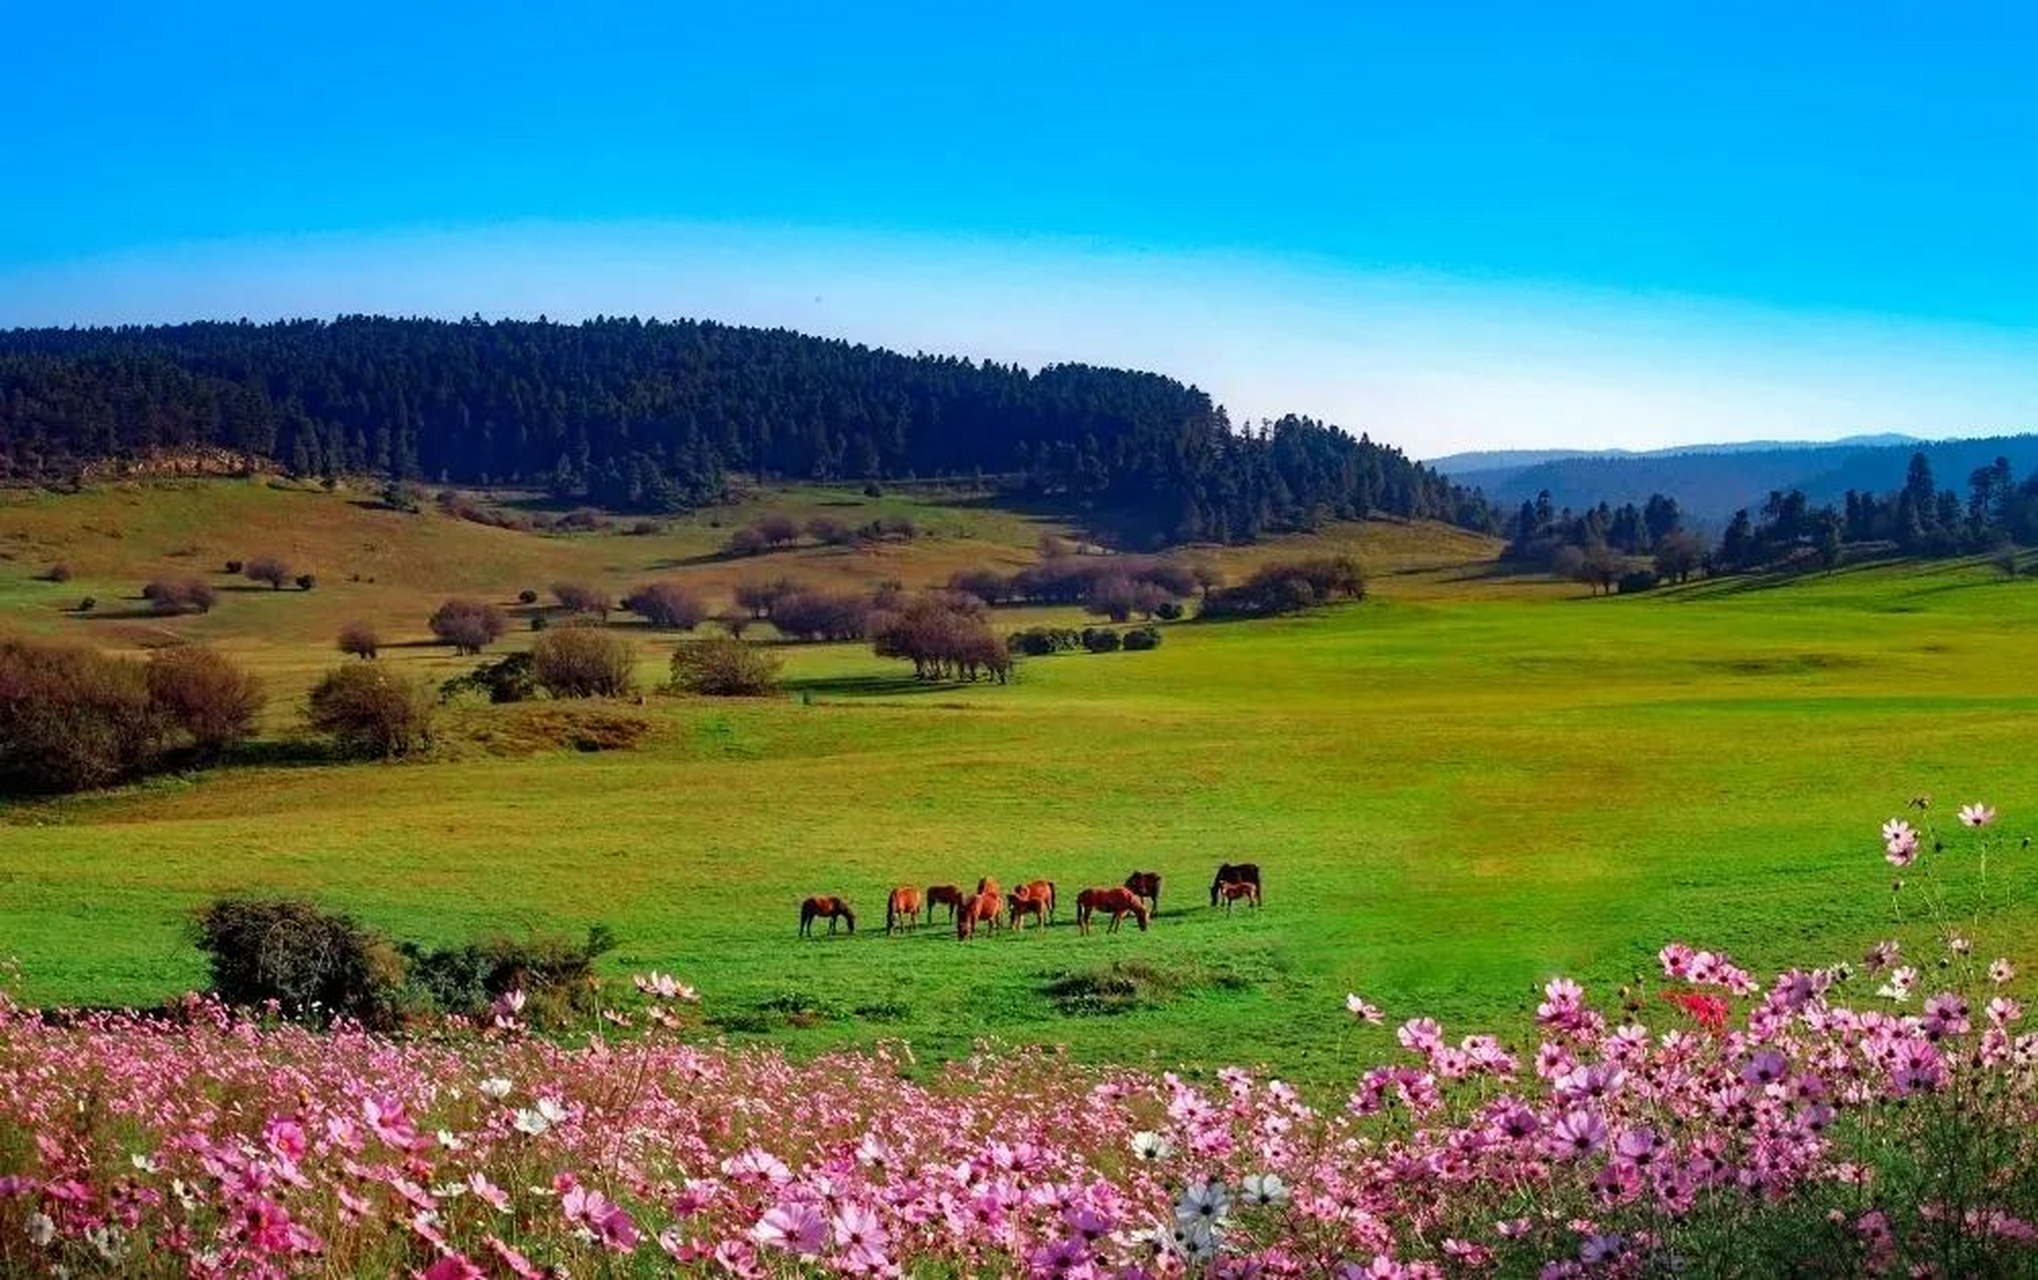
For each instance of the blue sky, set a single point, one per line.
(1453, 225)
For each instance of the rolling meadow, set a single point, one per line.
(1457, 789)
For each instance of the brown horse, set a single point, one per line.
(1232, 890)
(1019, 904)
(1147, 885)
(1240, 873)
(903, 910)
(832, 908)
(1043, 892)
(947, 895)
(1119, 902)
(988, 884)
(985, 908)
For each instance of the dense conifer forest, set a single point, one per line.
(655, 415)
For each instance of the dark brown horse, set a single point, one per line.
(1119, 902)
(1147, 885)
(1019, 904)
(832, 908)
(1236, 873)
(984, 909)
(1232, 890)
(947, 895)
(902, 911)
(1044, 892)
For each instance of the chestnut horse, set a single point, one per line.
(832, 908)
(984, 907)
(1043, 892)
(988, 884)
(947, 895)
(1019, 904)
(903, 910)
(1241, 873)
(1147, 885)
(1119, 902)
(1232, 890)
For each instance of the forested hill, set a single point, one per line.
(654, 415)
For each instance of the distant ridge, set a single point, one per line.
(1711, 482)
(1496, 460)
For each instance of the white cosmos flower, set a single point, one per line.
(41, 1230)
(1204, 1202)
(531, 1122)
(1265, 1189)
(495, 1088)
(1148, 1145)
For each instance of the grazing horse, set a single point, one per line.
(985, 908)
(903, 910)
(833, 908)
(1240, 873)
(944, 895)
(1041, 891)
(1119, 902)
(1147, 885)
(1019, 904)
(1232, 890)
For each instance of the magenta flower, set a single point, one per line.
(861, 1238)
(1362, 1011)
(1576, 1134)
(794, 1226)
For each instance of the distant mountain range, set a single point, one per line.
(1712, 481)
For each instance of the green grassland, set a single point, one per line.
(1457, 789)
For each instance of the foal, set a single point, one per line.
(1231, 891)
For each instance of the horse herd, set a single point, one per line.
(991, 908)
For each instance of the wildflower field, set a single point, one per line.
(1873, 1117)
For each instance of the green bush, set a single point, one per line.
(1038, 642)
(556, 976)
(1101, 640)
(584, 662)
(1142, 638)
(368, 709)
(724, 667)
(507, 679)
(1638, 580)
(314, 964)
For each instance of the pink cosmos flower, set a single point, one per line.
(794, 1226)
(861, 1237)
(1577, 1133)
(2001, 971)
(1363, 1011)
(285, 1138)
(1976, 815)
(454, 1267)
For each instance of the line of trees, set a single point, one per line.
(651, 415)
(1918, 519)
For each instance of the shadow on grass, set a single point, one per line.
(878, 686)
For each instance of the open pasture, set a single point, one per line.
(1456, 789)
